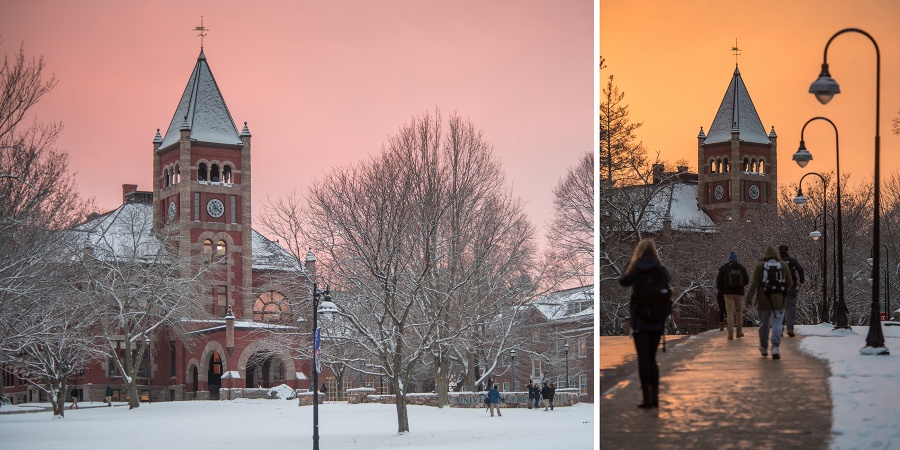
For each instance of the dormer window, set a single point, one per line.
(202, 174)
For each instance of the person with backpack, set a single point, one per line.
(730, 281)
(494, 397)
(797, 273)
(651, 304)
(768, 285)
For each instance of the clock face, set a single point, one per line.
(754, 192)
(719, 192)
(215, 208)
(171, 210)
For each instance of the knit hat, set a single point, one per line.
(732, 256)
(783, 249)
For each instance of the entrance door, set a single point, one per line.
(215, 375)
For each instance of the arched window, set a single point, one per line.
(712, 166)
(762, 166)
(725, 166)
(201, 172)
(221, 250)
(718, 165)
(745, 165)
(176, 176)
(214, 173)
(166, 176)
(226, 174)
(207, 249)
(754, 165)
(271, 306)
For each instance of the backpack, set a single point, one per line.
(653, 297)
(773, 277)
(734, 278)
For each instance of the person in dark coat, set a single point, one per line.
(730, 281)
(799, 276)
(536, 389)
(646, 336)
(109, 394)
(494, 395)
(530, 394)
(769, 306)
(74, 395)
(549, 391)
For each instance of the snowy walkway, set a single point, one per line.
(246, 424)
(722, 394)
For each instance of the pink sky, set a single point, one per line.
(673, 61)
(321, 84)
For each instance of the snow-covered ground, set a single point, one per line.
(865, 389)
(252, 424)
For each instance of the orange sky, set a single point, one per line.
(321, 84)
(673, 61)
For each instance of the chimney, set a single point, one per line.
(128, 189)
(658, 172)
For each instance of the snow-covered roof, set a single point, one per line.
(202, 109)
(672, 200)
(268, 255)
(124, 233)
(737, 113)
(566, 305)
(131, 225)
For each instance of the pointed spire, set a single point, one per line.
(310, 257)
(158, 138)
(245, 131)
(701, 134)
(772, 133)
(737, 115)
(202, 110)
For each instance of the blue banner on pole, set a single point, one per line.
(318, 358)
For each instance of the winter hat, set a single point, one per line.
(783, 249)
(732, 256)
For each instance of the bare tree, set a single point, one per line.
(571, 236)
(38, 197)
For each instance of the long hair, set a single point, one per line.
(645, 247)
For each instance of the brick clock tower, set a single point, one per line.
(737, 164)
(201, 190)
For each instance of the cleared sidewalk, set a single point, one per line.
(721, 394)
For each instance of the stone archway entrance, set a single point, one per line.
(214, 376)
(263, 368)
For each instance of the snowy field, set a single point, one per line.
(253, 424)
(865, 390)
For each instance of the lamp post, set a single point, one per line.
(824, 89)
(815, 234)
(800, 199)
(887, 279)
(567, 364)
(512, 355)
(327, 307)
(149, 369)
(802, 157)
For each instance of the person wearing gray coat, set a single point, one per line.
(770, 306)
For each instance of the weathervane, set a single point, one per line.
(201, 29)
(737, 52)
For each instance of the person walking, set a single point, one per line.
(545, 393)
(645, 270)
(494, 395)
(797, 273)
(108, 398)
(768, 285)
(536, 390)
(74, 395)
(530, 394)
(730, 281)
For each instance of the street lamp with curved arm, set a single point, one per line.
(815, 234)
(840, 314)
(800, 199)
(824, 89)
